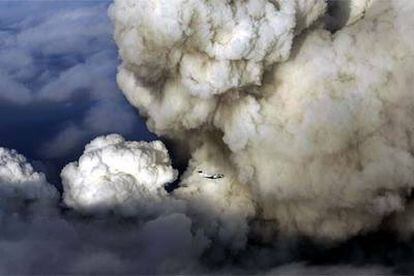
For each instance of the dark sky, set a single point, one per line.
(57, 81)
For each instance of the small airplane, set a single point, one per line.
(211, 176)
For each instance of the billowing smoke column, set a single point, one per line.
(311, 128)
(180, 57)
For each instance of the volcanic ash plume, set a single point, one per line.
(306, 107)
(221, 207)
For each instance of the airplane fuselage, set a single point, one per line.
(210, 176)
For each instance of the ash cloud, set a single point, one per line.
(314, 126)
(302, 107)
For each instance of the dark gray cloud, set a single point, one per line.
(39, 236)
(57, 79)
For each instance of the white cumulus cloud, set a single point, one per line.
(19, 182)
(117, 175)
